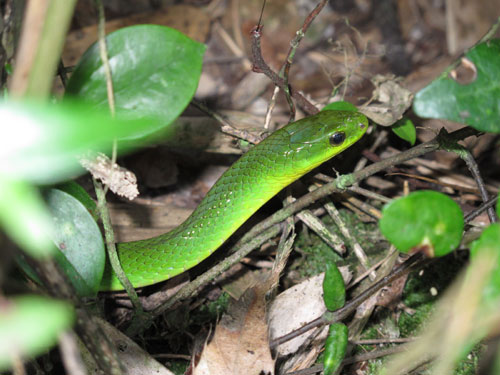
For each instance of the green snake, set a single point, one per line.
(256, 177)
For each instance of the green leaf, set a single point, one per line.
(76, 190)
(44, 141)
(335, 347)
(25, 218)
(489, 243)
(341, 106)
(424, 220)
(79, 239)
(333, 288)
(405, 130)
(155, 72)
(476, 103)
(30, 325)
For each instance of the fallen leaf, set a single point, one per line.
(240, 344)
(393, 100)
(296, 306)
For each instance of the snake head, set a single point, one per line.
(315, 139)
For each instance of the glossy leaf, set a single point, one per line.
(333, 288)
(44, 141)
(79, 239)
(475, 102)
(155, 72)
(335, 347)
(341, 106)
(424, 220)
(24, 217)
(405, 130)
(76, 190)
(30, 325)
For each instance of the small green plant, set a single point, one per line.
(336, 342)
(44, 147)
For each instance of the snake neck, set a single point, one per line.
(247, 185)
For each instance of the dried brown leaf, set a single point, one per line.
(240, 344)
(393, 100)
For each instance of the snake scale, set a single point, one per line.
(256, 177)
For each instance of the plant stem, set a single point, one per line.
(45, 25)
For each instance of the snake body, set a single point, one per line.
(256, 177)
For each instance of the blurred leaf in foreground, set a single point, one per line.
(25, 218)
(44, 141)
(489, 244)
(30, 325)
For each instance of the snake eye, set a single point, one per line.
(336, 139)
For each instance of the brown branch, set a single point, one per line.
(226, 127)
(354, 359)
(300, 34)
(478, 211)
(476, 174)
(260, 66)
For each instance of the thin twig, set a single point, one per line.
(356, 247)
(270, 108)
(365, 311)
(354, 359)
(369, 194)
(285, 245)
(294, 44)
(373, 268)
(381, 137)
(260, 66)
(111, 247)
(226, 126)
(478, 211)
(316, 225)
(100, 191)
(476, 174)
(103, 51)
(298, 37)
(388, 340)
